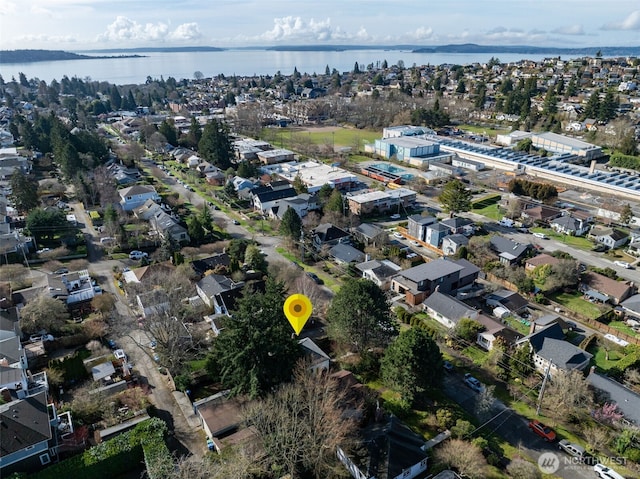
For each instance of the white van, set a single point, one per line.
(506, 222)
(107, 240)
(540, 235)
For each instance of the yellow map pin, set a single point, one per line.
(297, 309)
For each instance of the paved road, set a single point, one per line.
(187, 438)
(514, 429)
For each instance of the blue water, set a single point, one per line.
(388, 168)
(180, 65)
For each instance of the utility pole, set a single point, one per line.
(542, 388)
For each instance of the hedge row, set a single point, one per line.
(115, 456)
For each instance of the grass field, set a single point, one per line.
(484, 130)
(336, 136)
(576, 303)
(600, 358)
(492, 211)
(574, 241)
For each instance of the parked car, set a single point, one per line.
(35, 338)
(447, 366)
(622, 264)
(540, 235)
(414, 243)
(398, 235)
(135, 254)
(61, 271)
(604, 472)
(473, 383)
(156, 357)
(112, 344)
(235, 222)
(120, 354)
(572, 449)
(545, 432)
(599, 248)
(395, 217)
(314, 277)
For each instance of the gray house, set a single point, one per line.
(417, 225)
(609, 237)
(447, 310)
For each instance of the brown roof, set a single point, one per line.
(542, 212)
(608, 286)
(222, 414)
(542, 259)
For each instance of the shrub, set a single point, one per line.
(445, 418)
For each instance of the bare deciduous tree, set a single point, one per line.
(597, 437)
(43, 312)
(521, 469)
(464, 456)
(568, 395)
(301, 425)
(236, 463)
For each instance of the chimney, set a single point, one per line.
(592, 168)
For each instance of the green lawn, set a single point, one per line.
(517, 325)
(573, 241)
(491, 211)
(359, 158)
(329, 281)
(340, 137)
(621, 326)
(484, 130)
(600, 358)
(477, 355)
(576, 303)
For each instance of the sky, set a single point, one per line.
(78, 25)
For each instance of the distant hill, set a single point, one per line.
(29, 56)
(468, 48)
(158, 49)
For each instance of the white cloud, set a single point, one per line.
(126, 29)
(423, 33)
(296, 29)
(632, 22)
(39, 10)
(46, 39)
(569, 30)
(7, 8)
(186, 31)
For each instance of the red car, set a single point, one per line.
(545, 432)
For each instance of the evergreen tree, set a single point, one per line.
(412, 364)
(215, 144)
(291, 225)
(607, 109)
(359, 316)
(115, 98)
(24, 192)
(356, 68)
(455, 197)
(592, 108)
(169, 131)
(335, 202)
(255, 352)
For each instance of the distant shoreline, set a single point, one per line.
(34, 56)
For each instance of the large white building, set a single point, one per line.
(313, 174)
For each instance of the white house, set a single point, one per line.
(136, 195)
(447, 310)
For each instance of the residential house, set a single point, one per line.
(153, 302)
(447, 276)
(570, 225)
(539, 260)
(370, 234)
(541, 214)
(26, 433)
(393, 450)
(329, 235)
(219, 292)
(609, 237)
(451, 243)
(222, 419)
(395, 200)
(343, 253)
(148, 273)
(205, 167)
(215, 178)
(613, 392)
(602, 288)
(494, 330)
(266, 197)
(458, 225)
(73, 287)
(213, 263)
(435, 234)
(417, 225)
(447, 310)
(163, 223)
(379, 271)
(216, 321)
(551, 351)
(317, 358)
(509, 300)
(134, 196)
(302, 204)
(509, 251)
(631, 306)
